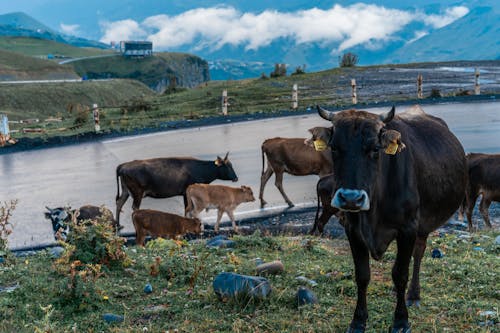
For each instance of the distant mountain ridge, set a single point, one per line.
(20, 24)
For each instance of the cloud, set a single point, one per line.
(69, 29)
(215, 27)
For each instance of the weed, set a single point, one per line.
(6, 209)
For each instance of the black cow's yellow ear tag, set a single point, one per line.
(392, 148)
(217, 162)
(319, 145)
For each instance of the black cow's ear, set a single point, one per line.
(388, 116)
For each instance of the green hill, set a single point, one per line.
(42, 48)
(156, 71)
(16, 66)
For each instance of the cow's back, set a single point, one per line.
(484, 171)
(295, 157)
(439, 163)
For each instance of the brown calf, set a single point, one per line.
(224, 198)
(293, 156)
(324, 192)
(162, 224)
(484, 178)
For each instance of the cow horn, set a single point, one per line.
(325, 114)
(388, 116)
(225, 157)
(49, 209)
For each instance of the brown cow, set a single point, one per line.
(292, 156)
(389, 191)
(224, 198)
(162, 224)
(484, 178)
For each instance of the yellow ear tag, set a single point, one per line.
(392, 148)
(217, 162)
(319, 145)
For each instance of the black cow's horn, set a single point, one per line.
(325, 114)
(49, 209)
(225, 157)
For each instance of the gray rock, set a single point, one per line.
(56, 252)
(497, 240)
(112, 318)
(270, 268)
(305, 296)
(148, 289)
(220, 241)
(232, 285)
(312, 283)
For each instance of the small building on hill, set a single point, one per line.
(136, 48)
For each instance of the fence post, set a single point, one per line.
(4, 126)
(295, 97)
(354, 95)
(95, 111)
(477, 88)
(225, 102)
(419, 86)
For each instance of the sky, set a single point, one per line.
(215, 27)
(171, 24)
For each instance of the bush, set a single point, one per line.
(6, 210)
(299, 70)
(348, 60)
(279, 70)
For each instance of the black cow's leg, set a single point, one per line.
(137, 197)
(361, 258)
(470, 203)
(413, 295)
(483, 208)
(405, 243)
(263, 181)
(120, 201)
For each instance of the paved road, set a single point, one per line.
(83, 174)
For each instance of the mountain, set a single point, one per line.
(20, 24)
(460, 40)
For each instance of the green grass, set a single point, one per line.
(455, 289)
(37, 47)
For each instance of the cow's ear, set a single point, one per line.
(390, 141)
(320, 137)
(388, 116)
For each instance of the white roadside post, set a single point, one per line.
(354, 95)
(225, 102)
(95, 112)
(295, 97)
(419, 86)
(477, 88)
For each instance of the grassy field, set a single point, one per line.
(460, 292)
(36, 47)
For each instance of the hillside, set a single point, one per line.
(156, 71)
(44, 100)
(16, 66)
(42, 48)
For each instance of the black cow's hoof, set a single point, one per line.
(404, 327)
(356, 328)
(411, 302)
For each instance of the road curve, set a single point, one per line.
(85, 174)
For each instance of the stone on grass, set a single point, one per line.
(497, 240)
(2, 259)
(56, 252)
(270, 268)
(310, 282)
(232, 285)
(148, 289)
(112, 318)
(305, 296)
(436, 253)
(220, 241)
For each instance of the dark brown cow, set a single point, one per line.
(161, 224)
(391, 192)
(224, 198)
(324, 193)
(61, 217)
(166, 177)
(484, 179)
(293, 156)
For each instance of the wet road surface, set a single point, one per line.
(85, 174)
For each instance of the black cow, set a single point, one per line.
(61, 217)
(388, 192)
(166, 177)
(484, 179)
(324, 193)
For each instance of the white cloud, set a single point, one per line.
(450, 15)
(215, 27)
(69, 29)
(122, 30)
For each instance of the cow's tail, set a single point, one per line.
(118, 168)
(263, 159)
(315, 227)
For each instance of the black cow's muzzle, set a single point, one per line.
(350, 200)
